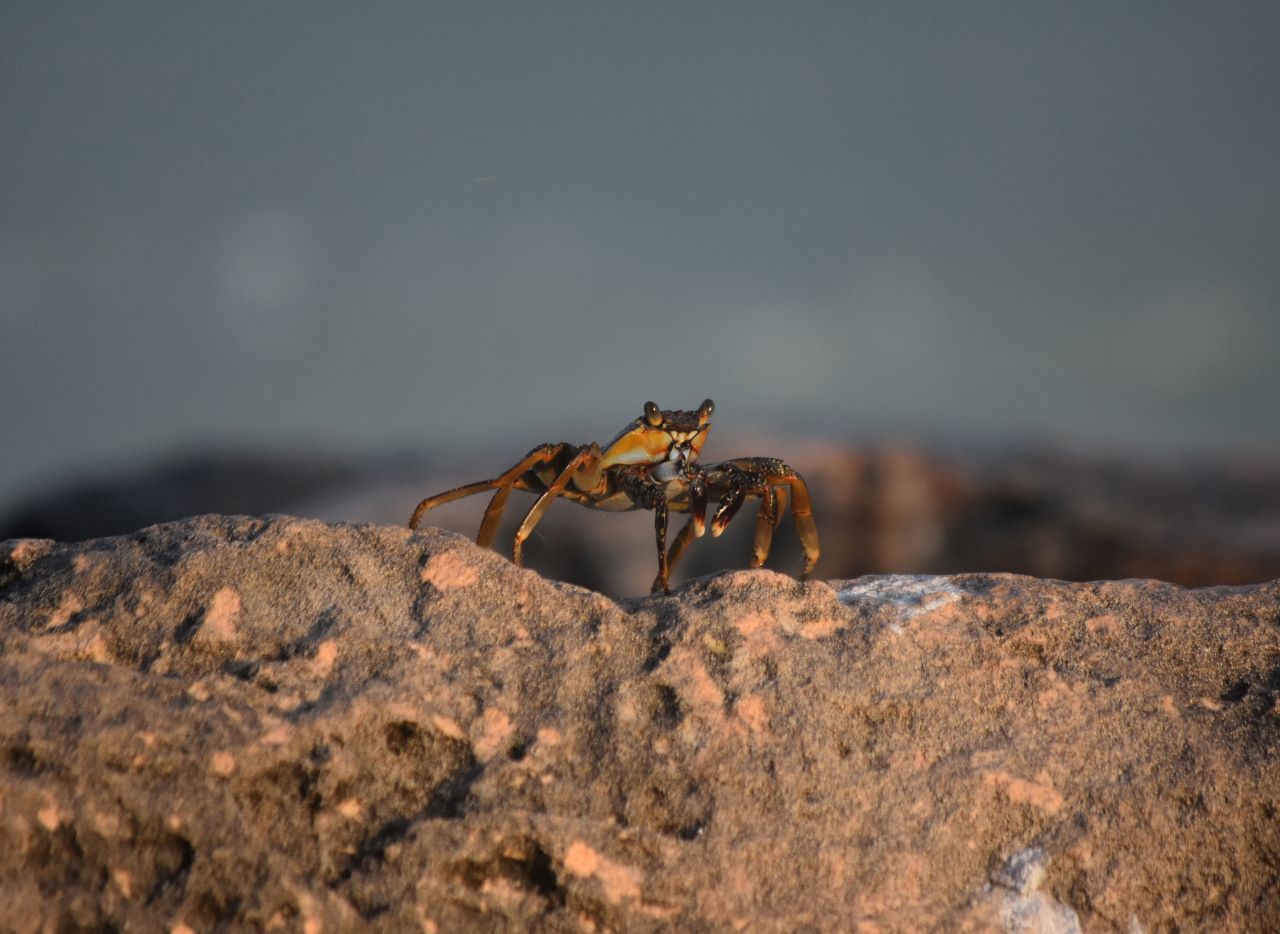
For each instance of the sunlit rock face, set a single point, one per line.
(282, 723)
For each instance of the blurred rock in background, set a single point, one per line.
(880, 509)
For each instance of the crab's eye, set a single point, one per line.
(705, 410)
(652, 414)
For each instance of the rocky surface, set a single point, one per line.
(283, 724)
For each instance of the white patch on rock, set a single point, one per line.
(1021, 908)
(909, 594)
(1023, 871)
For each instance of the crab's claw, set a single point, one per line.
(698, 503)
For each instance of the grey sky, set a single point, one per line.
(419, 224)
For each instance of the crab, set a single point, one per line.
(652, 465)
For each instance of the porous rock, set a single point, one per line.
(283, 724)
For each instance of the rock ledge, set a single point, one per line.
(279, 723)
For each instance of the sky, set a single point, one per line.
(434, 226)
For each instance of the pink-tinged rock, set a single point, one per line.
(275, 723)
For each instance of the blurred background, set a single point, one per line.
(1001, 278)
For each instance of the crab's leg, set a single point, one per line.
(587, 459)
(774, 482)
(660, 528)
(802, 515)
(696, 525)
(539, 455)
(678, 546)
(771, 505)
(431, 502)
(783, 494)
(766, 522)
(492, 516)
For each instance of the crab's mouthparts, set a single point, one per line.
(678, 457)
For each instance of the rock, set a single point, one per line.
(279, 723)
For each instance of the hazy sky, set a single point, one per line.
(413, 224)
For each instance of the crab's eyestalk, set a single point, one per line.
(653, 414)
(703, 416)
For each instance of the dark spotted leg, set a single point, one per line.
(697, 523)
(647, 493)
(660, 531)
(774, 482)
(743, 480)
(677, 549)
(784, 497)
